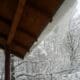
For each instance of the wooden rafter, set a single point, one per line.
(16, 20)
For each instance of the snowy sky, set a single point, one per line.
(78, 8)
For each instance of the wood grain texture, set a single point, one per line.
(22, 21)
(16, 20)
(8, 8)
(49, 6)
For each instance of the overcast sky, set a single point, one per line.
(78, 8)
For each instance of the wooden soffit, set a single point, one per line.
(22, 21)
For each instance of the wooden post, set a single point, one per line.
(7, 65)
(12, 32)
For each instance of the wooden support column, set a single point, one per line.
(7, 65)
(12, 32)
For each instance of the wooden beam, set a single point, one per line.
(16, 20)
(24, 39)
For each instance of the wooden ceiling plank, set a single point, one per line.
(47, 5)
(28, 33)
(17, 48)
(8, 8)
(24, 39)
(16, 20)
(41, 10)
(35, 21)
(18, 43)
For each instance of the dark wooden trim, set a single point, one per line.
(18, 43)
(18, 54)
